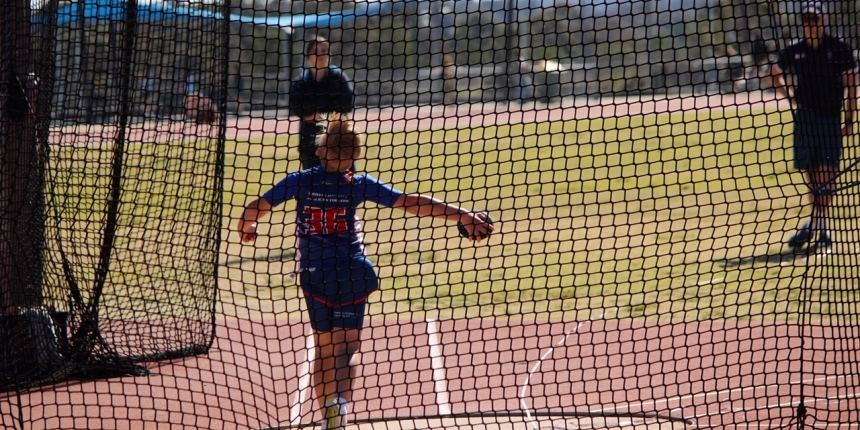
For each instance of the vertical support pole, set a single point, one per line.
(512, 49)
(21, 167)
(28, 343)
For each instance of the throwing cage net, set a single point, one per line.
(120, 175)
(648, 268)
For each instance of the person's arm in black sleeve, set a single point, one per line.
(777, 71)
(346, 102)
(298, 101)
(850, 81)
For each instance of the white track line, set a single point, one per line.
(536, 367)
(703, 283)
(805, 257)
(717, 393)
(778, 405)
(438, 364)
(304, 375)
(720, 393)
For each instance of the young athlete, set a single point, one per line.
(334, 273)
(322, 88)
(825, 69)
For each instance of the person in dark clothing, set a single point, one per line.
(321, 89)
(823, 66)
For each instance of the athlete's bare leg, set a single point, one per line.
(334, 368)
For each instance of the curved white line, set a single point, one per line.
(537, 366)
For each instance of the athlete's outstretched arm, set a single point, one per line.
(247, 226)
(421, 205)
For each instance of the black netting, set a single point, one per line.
(129, 176)
(672, 184)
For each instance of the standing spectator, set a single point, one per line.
(449, 75)
(521, 84)
(190, 88)
(823, 67)
(198, 107)
(321, 89)
(147, 88)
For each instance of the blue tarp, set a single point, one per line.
(154, 11)
(114, 10)
(329, 20)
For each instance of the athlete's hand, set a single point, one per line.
(247, 231)
(476, 226)
(848, 129)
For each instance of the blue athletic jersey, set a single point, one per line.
(327, 227)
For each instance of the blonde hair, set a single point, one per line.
(340, 136)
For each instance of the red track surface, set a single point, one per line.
(423, 117)
(716, 375)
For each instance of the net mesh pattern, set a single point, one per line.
(657, 261)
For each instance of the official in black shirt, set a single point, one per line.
(823, 67)
(321, 89)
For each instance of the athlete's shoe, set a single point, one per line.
(824, 241)
(334, 414)
(801, 237)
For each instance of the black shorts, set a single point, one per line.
(817, 140)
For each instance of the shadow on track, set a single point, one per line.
(784, 258)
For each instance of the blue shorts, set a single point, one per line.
(336, 294)
(817, 140)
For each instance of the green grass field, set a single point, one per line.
(667, 217)
(671, 217)
(159, 265)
